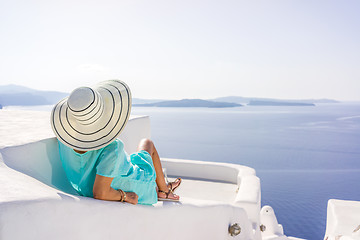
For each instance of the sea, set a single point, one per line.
(303, 155)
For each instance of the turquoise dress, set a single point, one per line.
(131, 173)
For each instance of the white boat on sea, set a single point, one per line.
(218, 200)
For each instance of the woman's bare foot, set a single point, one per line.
(167, 195)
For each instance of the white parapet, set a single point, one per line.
(269, 224)
(30, 209)
(37, 201)
(230, 183)
(343, 220)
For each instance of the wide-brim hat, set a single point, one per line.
(92, 117)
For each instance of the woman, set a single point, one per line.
(87, 125)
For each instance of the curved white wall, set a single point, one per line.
(37, 202)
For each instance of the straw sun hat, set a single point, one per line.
(91, 118)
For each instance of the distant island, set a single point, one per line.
(189, 103)
(247, 100)
(15, 95)
(278, 103)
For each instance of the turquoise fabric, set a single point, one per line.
(131, 173)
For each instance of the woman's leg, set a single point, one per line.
(148, 145)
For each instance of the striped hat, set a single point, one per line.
(91, 118)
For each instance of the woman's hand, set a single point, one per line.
(102, 190)
(131, 197)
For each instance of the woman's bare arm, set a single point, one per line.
(102, 190)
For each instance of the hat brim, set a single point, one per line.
(116, 97)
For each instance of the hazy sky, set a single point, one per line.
(185, 49)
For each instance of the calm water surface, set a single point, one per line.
(303, 155)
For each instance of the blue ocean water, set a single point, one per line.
(304, 156)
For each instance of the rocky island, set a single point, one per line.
(278, 103)
(189, 103)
